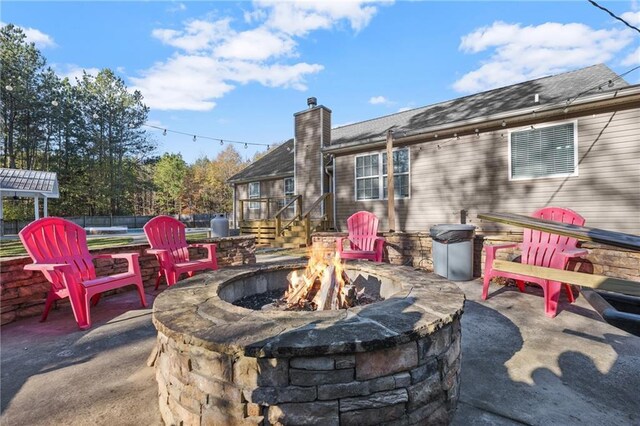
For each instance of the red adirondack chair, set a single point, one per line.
(540, 249)
(167, 239)
(364, 242)
(59, 250)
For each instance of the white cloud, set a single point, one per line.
(177, 7)
(36, 36)
(631, 17)
(302, 17)
(632, 59)
(378, 100)
(197, 35)
(186, 82)
(258, 45)
(213, 57)
(523, 53)
(276, 75)
(74, 72)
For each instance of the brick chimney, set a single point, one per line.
(312, 130)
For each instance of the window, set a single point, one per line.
(289, 192)
(289, 188)
(543, 152)
(254, 192)
(400, 173)
(371, 175)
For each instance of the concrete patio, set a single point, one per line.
(518, 366)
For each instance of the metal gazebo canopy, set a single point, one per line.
(16, 183)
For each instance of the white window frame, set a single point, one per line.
(254, 205)
(288, 195)
(541, 126)
(284, 183)
(380, 176)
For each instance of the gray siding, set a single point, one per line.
(273, 188)
(472, 174)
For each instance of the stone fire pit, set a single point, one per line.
(395, 361)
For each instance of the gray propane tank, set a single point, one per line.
(219, 225)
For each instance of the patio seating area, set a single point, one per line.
(518, 366)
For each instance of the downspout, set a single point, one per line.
(321, 159)
(235, 221)
(332, 187)
(335, 198)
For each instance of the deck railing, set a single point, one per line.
(269, 228)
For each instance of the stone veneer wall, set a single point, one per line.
(23, 293)
(412, 384)
(414, 249)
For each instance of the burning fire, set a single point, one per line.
(322, 285)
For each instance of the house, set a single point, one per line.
(571, 140)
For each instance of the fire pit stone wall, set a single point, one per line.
(395, 361)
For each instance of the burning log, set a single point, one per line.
(321, 286)
(325, 296)
(300, 286)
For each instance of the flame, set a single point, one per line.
(301, 284)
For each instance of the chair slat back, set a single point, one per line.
(58, 241)
(538, 247)
(167, 233)
(363, 230)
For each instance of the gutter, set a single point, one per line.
(260, 178)
(628, 97)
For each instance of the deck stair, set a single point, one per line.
(295, 235)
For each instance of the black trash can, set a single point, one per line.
(452, 251)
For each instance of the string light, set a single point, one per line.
(9, 87)
(246, 146)
(504, 123)
(196, 137)
(54, 103)
(435, 136)
(95, 115)
(268, 147)
(477, 133)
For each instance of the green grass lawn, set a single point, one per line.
(14, 247)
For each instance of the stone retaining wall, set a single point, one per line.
(413, 384)
(414, 249)
(23, 293)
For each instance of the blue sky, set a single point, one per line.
(240, 70)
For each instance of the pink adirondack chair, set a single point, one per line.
(364, 242)
(167, 239)
(59, 250)
(540, 249)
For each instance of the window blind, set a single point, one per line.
(548, 151)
